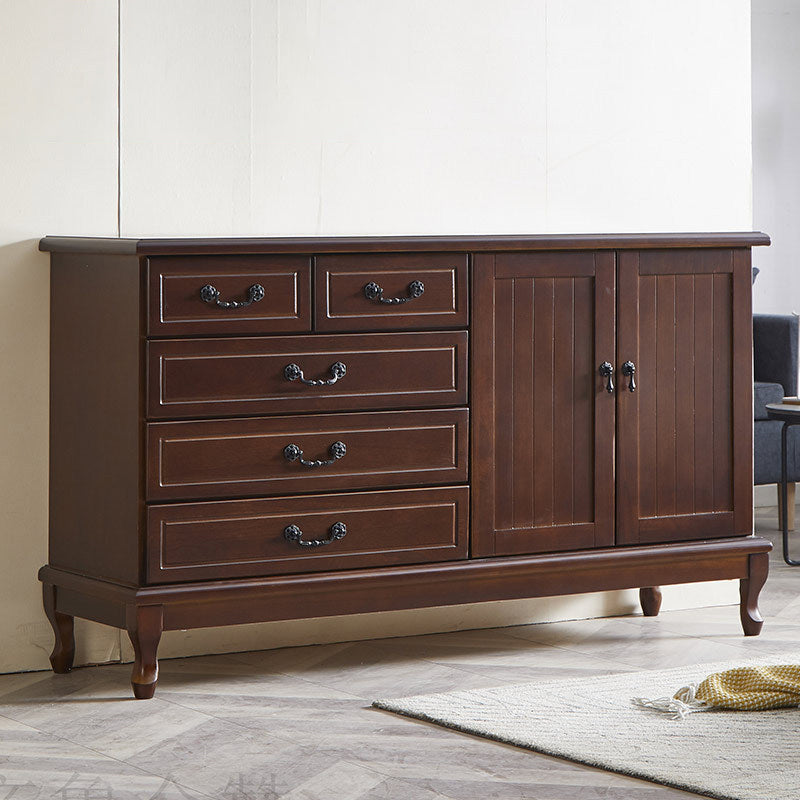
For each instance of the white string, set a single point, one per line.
(683, 702)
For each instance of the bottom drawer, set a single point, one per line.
(248, 538)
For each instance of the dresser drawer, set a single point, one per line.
(428, 290)
(247, 538)
(249, 457)
(229, 294)
(220, 377)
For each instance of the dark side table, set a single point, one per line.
(788, 414)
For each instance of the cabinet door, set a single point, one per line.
(684, 437)
(543, 422)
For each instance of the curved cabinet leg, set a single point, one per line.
(650, 598)
(749, 590)
(145, 624)
(63, 654)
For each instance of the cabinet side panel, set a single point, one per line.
(95, 412)
(742, 392)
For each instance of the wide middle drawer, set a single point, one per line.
(221, 377)
(292, 455)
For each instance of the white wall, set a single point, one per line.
(776, 152)
(434, 116)
(58, 172)
(343, 116)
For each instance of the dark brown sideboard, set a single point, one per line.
(246, 430)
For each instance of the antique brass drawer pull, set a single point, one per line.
(292, 372)
(293, 534)
(374, 292)
(210, 294)
(293, 453)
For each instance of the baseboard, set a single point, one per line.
(765, 496)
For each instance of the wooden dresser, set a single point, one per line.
(246, 430)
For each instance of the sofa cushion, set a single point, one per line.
(775, 338)
(764, 393)
(767, 452)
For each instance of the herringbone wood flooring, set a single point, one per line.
(296, 723)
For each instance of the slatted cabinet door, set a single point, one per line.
(684, 435)
(543, 422)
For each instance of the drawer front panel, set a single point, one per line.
(247, 538)
(249, 457)
(432, 290)
(219, 377)
(229, 294)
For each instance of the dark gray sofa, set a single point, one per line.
(775, 372)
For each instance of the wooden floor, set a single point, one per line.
(296, 723)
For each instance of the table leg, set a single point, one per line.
(784, 509)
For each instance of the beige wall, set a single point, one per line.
(342, 117)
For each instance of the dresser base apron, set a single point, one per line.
(148, 610)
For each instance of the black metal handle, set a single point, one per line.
(374, 292)
(293, 534)
(629, 370)
(210, 294)
(607, 371)
(293, 453)
(292, 372)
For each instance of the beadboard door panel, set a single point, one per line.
(543, 421)
(683, 436)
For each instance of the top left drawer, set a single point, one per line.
(228, 294)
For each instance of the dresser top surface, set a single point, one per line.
(383, 244)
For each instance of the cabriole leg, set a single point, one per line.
(650, 598)
(749, 590)
(63, 628)
(145, 624)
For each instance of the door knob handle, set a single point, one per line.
(607, 371)
(629, 370)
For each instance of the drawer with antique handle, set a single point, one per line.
(288, 374)
(229, 294)
(243, 538)
(270, 455)
(390, 291)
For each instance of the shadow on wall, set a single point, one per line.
(25, 635)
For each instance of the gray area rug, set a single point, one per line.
(733, 755)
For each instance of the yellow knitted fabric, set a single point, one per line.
(751, 688)
(738, 689)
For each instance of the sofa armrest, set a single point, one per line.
(775, 350)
